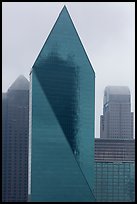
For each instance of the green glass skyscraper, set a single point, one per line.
(62, 96)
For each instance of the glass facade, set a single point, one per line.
(62, 99)
(115, 182)
(115, 170)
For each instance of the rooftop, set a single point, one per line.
(21, 83)
(117, 90)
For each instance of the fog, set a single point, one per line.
(106, 29)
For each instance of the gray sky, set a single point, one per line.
(106, 29)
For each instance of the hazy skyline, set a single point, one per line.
(106, 30)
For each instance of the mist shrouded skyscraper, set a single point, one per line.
(62, 95)
(15, 135)
(117, 119)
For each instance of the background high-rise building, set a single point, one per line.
(117, 118)
(15, 112)
(62, 99)
(115, 149)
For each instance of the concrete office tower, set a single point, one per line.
(62, 99)
(15, 130)
(117, 119)
(114, 150)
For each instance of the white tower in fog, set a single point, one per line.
(117, 119)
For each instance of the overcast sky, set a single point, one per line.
(106, 29)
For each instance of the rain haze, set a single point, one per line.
(106, 29)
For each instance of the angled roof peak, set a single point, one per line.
(63, 35)
(64, 7)
(21, 83)
(64, 10)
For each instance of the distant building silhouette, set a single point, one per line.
(117, 119)
(15, 112)
(62, 109)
